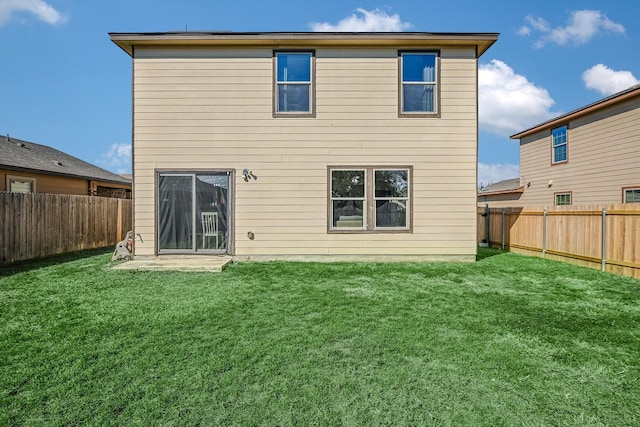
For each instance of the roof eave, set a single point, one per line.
(66, 174)
(127, 41)
(496, 193)
(598, 105)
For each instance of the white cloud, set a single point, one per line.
(117, 159)
(492, 173)
(508, 102)
(583, 25)
(539, 24)
(367, 21)
(524, 30)
(39, 8)
(608, 81)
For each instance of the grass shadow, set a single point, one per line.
(484, 253)
(34, 264)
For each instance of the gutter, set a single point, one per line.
(127, 41)
(495, 193)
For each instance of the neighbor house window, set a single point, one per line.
(559, 144)
(631, 195)
(21, 184)
(293, 83)
(418, 86)
(369, 199)
(562, 199)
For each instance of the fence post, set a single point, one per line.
(503, 227)
(604, 239)
(544, 233)
(487, 227)
(119, 221)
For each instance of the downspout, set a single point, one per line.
(475, 179)
(133, 151)
(487, 226)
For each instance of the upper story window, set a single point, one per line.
(294, 84)
(631, 195)
(559, 144)
(369, 199)
(419, 77)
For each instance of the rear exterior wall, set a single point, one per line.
(603, 153)
(206, 108)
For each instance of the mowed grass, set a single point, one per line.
(509, 340)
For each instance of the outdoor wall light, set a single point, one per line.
(248, 174)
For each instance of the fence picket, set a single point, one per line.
(36, 225)
(572, 234)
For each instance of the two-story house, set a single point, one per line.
(306, 145)
(588, 156)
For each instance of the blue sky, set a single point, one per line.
(63, 83)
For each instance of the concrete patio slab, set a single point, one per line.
(214, 264)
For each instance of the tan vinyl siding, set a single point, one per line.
(603, 151)
(48, 183)
(206, 109)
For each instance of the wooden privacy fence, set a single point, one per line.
(604, 236)
(39, 225)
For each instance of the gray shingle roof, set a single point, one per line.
(28, 156)
(506, 185)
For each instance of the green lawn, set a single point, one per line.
(509, 340)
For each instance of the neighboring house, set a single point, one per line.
(306, 145)
(588, 156)
(501, 194)
(33, 168)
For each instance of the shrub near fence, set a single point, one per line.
(606, 237)
(36, 225)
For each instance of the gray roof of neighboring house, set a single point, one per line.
(17, 154)
(506, 186)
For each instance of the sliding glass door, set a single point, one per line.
(193, 212)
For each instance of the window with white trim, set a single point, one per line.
(369, 199)
(418, 87)
(631, 195)
(562, 199)
(293, 83)
(559, 144)
(21, 184)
